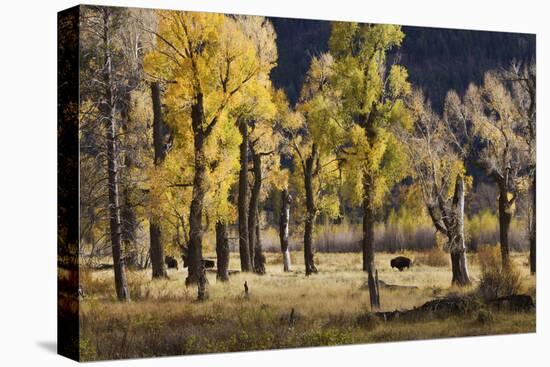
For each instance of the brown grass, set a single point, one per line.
(435, 257)
(497, 280)
(330, 307)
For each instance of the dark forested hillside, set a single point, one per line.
(297, 41)
(437, 59)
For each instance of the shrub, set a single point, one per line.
(483, 228)
(368, 320)
(485, 316)
(404, 230)
(496, 280)
(434, 257)
(342, 237)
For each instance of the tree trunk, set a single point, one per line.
(194, 253)
(244, 250)
(284, 220)
(156, 247)
(202, 288)
(368, 240)
(309, 167)
(253, 225)
(222, 252)
(109, 108)
(457, 245)
(259, 258)
(129, 227)
(533, 232)
(504, 219)
(157, 251)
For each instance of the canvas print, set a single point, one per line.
(235, 183)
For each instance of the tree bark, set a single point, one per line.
(202, 288)
(457, 245)
(284, 220)
(109, 112)
(222, 252)
(194, 254)
(504, 219)
(309, 167)
(156, 251)
(533, 232)
(368, 240)
(129, 227)
(155, 235)
(244, 250)
(253, 225)
(259, 258)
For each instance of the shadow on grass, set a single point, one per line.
(48, 345)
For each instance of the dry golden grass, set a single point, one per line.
(164, 318)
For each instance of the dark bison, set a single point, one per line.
(171, 263)
(208, 264)
(400, 262)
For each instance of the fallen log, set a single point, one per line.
(515, 302)
(448, 306)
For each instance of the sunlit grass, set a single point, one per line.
(164, 317)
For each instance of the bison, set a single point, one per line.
(208, 264)
(400, 262)
(171, 263)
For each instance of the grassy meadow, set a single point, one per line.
(330, 308)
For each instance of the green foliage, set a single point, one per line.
(226, 60)
(313, 132)
(371, 105)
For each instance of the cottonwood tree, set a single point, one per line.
(436, 155)
(255, 109)
(160, 145)
(498, 126)
(222, 155)
(284, 221)
(371, 94)
(208, 59)
(313, 137)
(523, 79)
(266, 174)
(254, 105)
(134, 145)
(105, 85)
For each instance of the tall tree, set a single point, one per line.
(254, 105)
(101, 99)
(209, 60)
(313, 137)
(159, 149)
(284, 221)
(266, 173)
(372, 101)
(504, 155)
(436, 155)
(523, 79)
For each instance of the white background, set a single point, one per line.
(28, 182)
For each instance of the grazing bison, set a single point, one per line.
(208, 264)
(171, 263)
(400, 262)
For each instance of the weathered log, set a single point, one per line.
(448, 306)
(515, 302)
